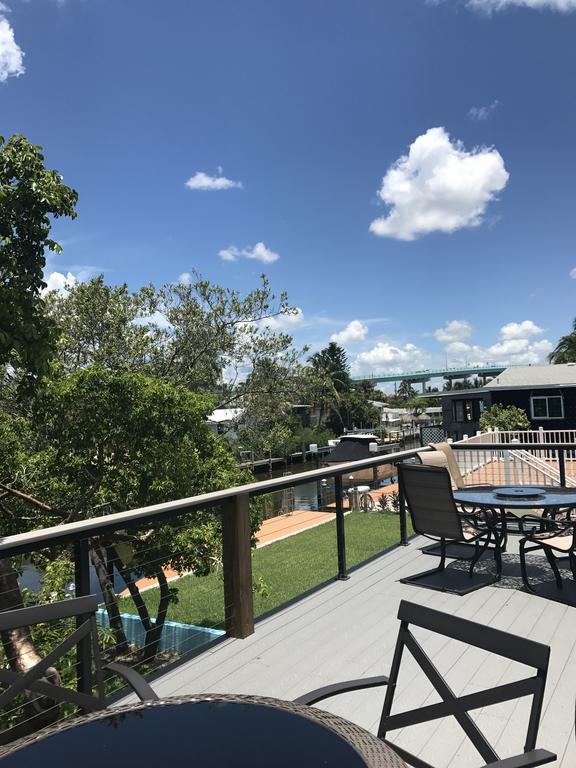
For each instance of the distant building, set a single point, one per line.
(224, 421)
(546, 392)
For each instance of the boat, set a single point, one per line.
(355, 447)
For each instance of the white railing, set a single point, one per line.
(516, 465)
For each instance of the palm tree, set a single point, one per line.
(565, 351)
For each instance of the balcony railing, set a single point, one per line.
(480, 462)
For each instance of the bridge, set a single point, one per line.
(442, 373)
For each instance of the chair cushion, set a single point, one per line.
(561, 540)
(433, 459)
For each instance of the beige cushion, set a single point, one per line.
(433, 459)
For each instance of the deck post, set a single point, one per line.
(562, 466)
(237, 566)
(402, 513)
(81, 589)
(340, 532)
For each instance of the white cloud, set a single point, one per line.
(564, 6)
(458, 348)
(11, 55)
(455, 330)
(56, 281)
(483, 113)
(438, 187)
(386, 358)
(185, 278)
(259, 252)
(522, 330)
(573, 273)
(285, 321)
(203, 181)
(157, 318)
(354, 331)
(229, 254)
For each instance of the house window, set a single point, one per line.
(547, 407)
(464, 411)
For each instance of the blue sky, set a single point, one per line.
(404, 169)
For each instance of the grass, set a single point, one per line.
(282, 570)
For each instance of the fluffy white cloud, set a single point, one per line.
(522, 330)
(386, 358)
(230, 254)
(157, 318)
(354, 331)
(498, 5)
(483, 113)
(259, 252)
(438, 187)
(284, 322)
(514, 344)
(185, 278)
(11, 55)
(56, 281)
(458, 348)
(455, 330)
(203, 181)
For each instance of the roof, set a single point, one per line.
(534, 377)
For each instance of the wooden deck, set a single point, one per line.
(348, 630)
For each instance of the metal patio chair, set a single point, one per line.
(35, 680)
(556, 538)
(434, 514)
(494, 641)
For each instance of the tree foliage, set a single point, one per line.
(504, 418)
(565, 350)
(100, 441)
(30, 196)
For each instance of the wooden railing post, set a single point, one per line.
(237, 566)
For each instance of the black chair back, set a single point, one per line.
(518, 649)
(35, 684)
(428, 492)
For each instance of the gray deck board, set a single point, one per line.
(348, 629)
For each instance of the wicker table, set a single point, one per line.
(205, 730)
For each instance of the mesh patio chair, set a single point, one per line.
(517, 649)
(37, 680)
(556, 538)
(442, 455)
(428, 493)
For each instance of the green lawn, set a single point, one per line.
(281, 570)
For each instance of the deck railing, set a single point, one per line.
(479, 461)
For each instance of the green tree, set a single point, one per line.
(104, 325)
(329, 379)
(504, 418)
(565, 350)
(406, 391)
(356, 410)
(107, 441)
(30, 196)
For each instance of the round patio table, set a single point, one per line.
(208, 730)
(504, 499)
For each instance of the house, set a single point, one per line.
(546, 392)
(224, 421)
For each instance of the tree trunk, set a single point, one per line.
(111, 601)
(22, 656)
(155, 633)
(133, 589)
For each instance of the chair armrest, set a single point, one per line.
(134, 680)
(336, 688)
(525, 760)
